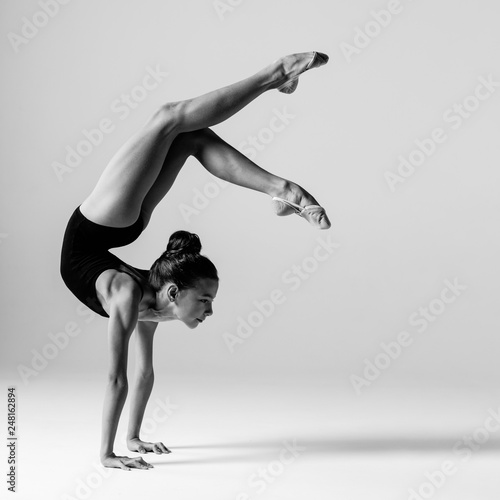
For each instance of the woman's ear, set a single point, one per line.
(172, 292)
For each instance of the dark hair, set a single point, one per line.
(181, 263)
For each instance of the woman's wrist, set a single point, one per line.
(107, 454)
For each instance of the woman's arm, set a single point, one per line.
(144, 377)
(142, 389)
(123, 300)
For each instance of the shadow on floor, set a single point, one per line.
(269, 449)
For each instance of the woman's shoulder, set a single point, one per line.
(114, 284)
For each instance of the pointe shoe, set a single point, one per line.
(318, 59)
(314, 214)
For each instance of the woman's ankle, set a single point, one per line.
(274, 74)
(280, 188)
(291, 191)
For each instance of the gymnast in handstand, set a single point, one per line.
(182, 283)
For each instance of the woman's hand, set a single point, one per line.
(140, 446)
(125, 463)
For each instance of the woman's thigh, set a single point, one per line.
(117, 198)
(183, 146)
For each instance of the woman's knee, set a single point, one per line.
(192, 142)
(169, 116)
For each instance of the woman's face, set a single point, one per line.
(193, 305)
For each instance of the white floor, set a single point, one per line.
(238, 440)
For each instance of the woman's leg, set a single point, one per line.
(227, 163)
(120, 192)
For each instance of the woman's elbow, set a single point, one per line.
(146, 374)
(118, 380)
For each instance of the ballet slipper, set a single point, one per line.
(318, 59)
(314, 214)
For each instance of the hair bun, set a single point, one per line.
(183, 242)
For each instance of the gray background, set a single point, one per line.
(351, 121)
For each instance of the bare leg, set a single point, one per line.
(225, 162)
(120, 192)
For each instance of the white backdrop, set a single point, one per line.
(413, 247)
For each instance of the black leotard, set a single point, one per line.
(85, 256)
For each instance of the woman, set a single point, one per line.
(181, 284)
